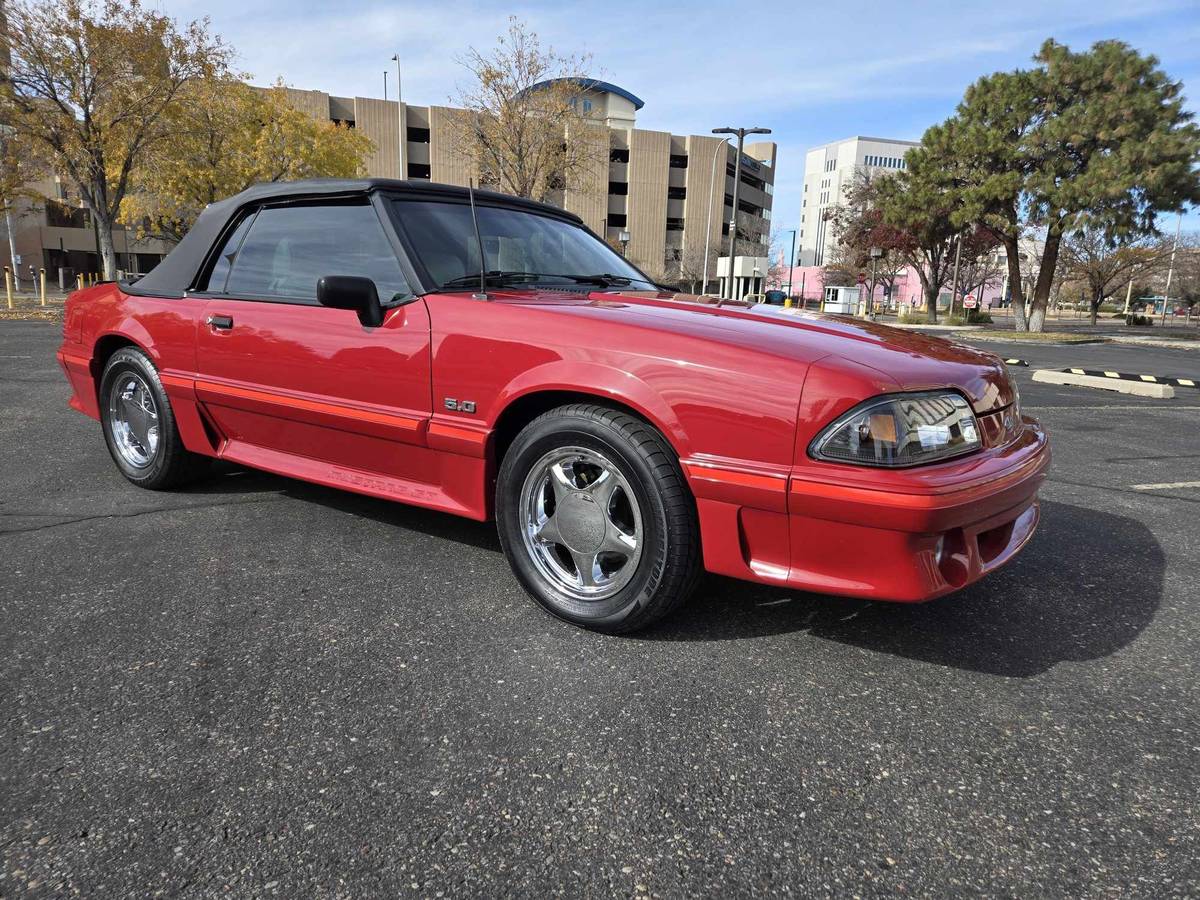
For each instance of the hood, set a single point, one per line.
(914, 361)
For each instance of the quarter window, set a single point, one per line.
(289, 248)
(220, 270)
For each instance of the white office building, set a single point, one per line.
(828, 171)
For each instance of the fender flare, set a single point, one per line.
(605, 383)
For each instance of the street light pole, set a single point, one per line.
(718, 152)
(399, 120)
(737, 180)
(876, 252)
(1171, 268)
(791, 262)
(385, 75)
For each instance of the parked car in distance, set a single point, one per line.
(490, 357)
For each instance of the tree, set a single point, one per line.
(1186, 281)
(691, 271)
(859, 230)
(1098, 139)
(978, 264)
(524, 130)
(19, 167)
(1105, 264)
(919, 205)
(92, 85)
(226, 136)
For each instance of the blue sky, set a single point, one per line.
(813, 72)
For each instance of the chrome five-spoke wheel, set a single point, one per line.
(133, 418)
(581, 523)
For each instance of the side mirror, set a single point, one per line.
(351, 292)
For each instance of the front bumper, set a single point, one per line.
(905, 536)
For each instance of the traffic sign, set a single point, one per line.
(969, 301)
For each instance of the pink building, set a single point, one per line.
(809, 282)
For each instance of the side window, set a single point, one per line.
(220, 270)
(290, 247)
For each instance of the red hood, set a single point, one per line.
(912, 360)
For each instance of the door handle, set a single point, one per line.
(222, 322)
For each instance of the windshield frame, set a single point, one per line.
(429, 285)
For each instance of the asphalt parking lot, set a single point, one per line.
(261, 687)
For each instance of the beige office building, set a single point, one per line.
(671, 195)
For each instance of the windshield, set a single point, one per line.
(520, 245)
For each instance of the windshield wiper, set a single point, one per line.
(605, 280)
(496, 276)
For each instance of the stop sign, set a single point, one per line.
(969, 301)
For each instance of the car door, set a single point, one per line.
(299, 388)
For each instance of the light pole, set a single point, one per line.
(1171, 268)
(385, 75)
(737, 180)
(718, 152)
(624, 237)
(400, 120)
(876, 252)
(791, 262)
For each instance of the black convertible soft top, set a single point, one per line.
(176, 274)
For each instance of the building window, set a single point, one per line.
(678, 161)
(419, 170)
(676, 193)
(616, 220)
(618, 155)
(418, 135)
(587, 106)
(348, 123)
(619, 188)
(674, 224)
(63, 215)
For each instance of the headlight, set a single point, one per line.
(900, 430)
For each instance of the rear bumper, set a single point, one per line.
(911, 537)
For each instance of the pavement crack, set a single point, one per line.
(75, 520)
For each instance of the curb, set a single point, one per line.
(1148, 379)
(1121, 386)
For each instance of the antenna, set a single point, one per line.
(482, 295)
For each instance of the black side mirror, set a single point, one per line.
(351, 292)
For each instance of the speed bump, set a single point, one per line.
(1147, 379)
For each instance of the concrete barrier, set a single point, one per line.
(1121, 386)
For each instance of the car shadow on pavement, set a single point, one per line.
(228, 478)
(1086, 586)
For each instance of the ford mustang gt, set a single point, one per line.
(491, 357)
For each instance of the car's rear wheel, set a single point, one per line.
(596, 518)
(139, 424)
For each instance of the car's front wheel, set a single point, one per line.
(139, 424)
(596, 518)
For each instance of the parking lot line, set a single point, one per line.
(1166, 486)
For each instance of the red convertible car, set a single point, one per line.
(490, 357)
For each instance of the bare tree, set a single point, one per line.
(524, 131)
(690, 270)
(1103, 263)
(92, 84)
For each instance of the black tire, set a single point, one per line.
(171, 464)
(669, 564)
